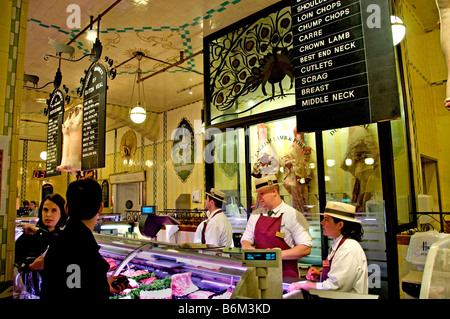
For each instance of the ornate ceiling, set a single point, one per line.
(165, 31)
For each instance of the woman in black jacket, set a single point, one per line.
(31, 245)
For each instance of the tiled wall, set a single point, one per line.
(13, 16)
(426, 80)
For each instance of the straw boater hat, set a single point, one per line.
(265, 181)
(217, 194)
(341, 210)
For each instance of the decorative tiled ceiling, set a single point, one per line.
(164, 30)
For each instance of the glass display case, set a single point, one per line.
(436, 275)
(205, 272)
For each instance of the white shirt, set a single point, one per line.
(293, 225)
(218, 230)
(348, 271)
(198, 232)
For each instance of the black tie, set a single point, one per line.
(270, 212)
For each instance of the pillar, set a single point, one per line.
(13, 23)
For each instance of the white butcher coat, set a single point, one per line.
(293, 225)
(219, 231)
(348, 271)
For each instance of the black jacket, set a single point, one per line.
(73, 266)
(29, 247)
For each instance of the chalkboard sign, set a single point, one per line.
(94, 118)
(54, 133)
(344, 63)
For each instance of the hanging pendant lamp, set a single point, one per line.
(138, 114)
(398, 29)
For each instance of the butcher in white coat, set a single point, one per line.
(345, 268)
(216, 229)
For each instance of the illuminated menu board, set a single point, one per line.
(344, 63)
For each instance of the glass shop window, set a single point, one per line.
(229, 171)
(402, 174)
(353, 175)
(277, 148)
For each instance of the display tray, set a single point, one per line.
(195, 246)
(154, 283)
(232, 250)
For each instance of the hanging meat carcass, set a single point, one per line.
(363, 151)
(297, 173)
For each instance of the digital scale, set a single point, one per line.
(263, 278)
(265, 258)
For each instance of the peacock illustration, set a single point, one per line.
(273, 69)
(244, 61)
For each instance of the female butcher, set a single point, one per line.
(277, 225)
(444, 21)
(35, 240)
(345, 268)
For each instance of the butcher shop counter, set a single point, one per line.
(212, 273)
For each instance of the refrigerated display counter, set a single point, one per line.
(207, 268)
(204, 271)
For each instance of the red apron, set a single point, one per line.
(206, 224)
(326, 264)
(265, 238)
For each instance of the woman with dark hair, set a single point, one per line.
(32, 244)
(74, 269)
(345, 268)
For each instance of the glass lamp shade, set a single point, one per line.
(398, 29)
(43, 155)
(138, 114)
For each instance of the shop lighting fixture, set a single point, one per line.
(43, 155)
(148, 163)
(119, 227)
(331, 162)
(141, 2)
(348, 162)
(398, 29)
(91, 35)
(138, 113)
(369, 161)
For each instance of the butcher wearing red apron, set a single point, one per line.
(277, 225)
(268, 236)
(326, 264)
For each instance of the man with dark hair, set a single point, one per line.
(73, 266)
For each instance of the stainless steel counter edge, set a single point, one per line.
(129, 245)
